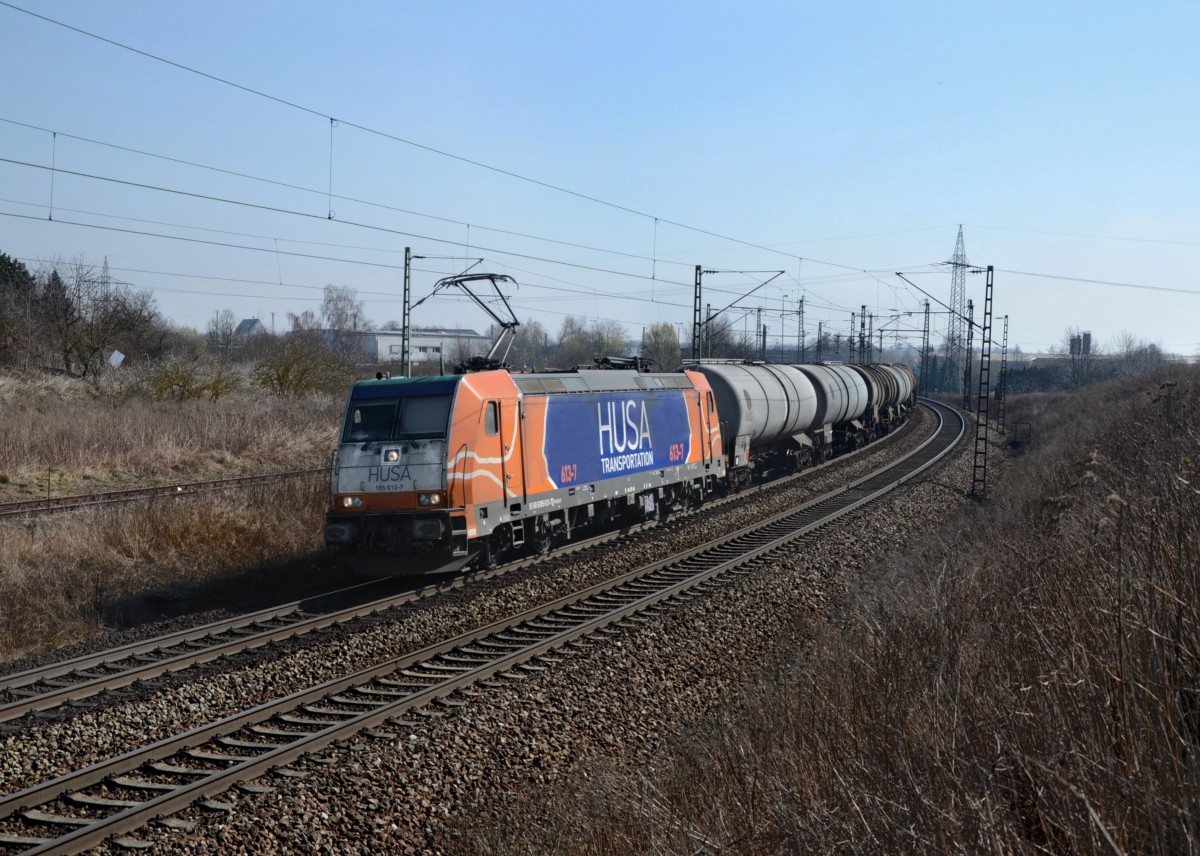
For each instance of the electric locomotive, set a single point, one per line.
(434, 473)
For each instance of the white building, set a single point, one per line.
(385, 346)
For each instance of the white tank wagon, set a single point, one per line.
(890, 391)
(766, 412)
(842, 401)
(780, 418)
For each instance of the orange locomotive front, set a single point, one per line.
(434, 473)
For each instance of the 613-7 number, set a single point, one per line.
(677, 452)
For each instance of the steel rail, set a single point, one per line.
(137, 661)
(76, 679)
(312, 719)
(107, 657)
(28, 507)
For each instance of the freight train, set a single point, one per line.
(438, 473)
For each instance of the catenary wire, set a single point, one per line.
(322, 193)
(385, 135)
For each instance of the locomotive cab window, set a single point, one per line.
(712, 407)
(414, 418)
(369, 420)
(491, 421)
(423, 416)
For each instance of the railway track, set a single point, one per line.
(49, 505)
(114, 797)
(73, 681)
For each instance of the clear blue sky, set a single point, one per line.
(846, 141)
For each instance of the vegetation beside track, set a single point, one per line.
(63, 436)
(1025, 681)
(64, 578)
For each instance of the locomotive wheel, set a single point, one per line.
(496, 547)
(542, 542)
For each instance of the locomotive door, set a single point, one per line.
(708, 407)
(511, 473)
(520, 434)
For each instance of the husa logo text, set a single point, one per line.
(624, 427)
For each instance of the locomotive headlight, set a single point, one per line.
(429, 499)
(390, 456)
(351, 502)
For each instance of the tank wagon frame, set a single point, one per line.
(433, 474)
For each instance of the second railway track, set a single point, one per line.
(74, 502)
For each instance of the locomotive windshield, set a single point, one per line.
(420, 417)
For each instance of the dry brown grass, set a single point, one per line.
(64, 577)
(59, 434)
(1027, 681)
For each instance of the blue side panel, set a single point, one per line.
(596, 436)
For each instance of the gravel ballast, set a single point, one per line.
(621, 699)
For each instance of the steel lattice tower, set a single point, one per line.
(956, 329)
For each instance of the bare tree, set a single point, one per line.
(70, 316)
(143, 331)
(306, 320)
(298, 367)
(580, 343)
(1137, 355)
(342, 310)
(660, 343)
(572, 347)
(220, 332)
(457, 353)
(610, 338)
(530, 346)
(343, 316)
(82, 315)
(721, 340)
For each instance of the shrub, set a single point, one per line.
(296, 368)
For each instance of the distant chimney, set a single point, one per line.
(1087, 343)
(1076, 346)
